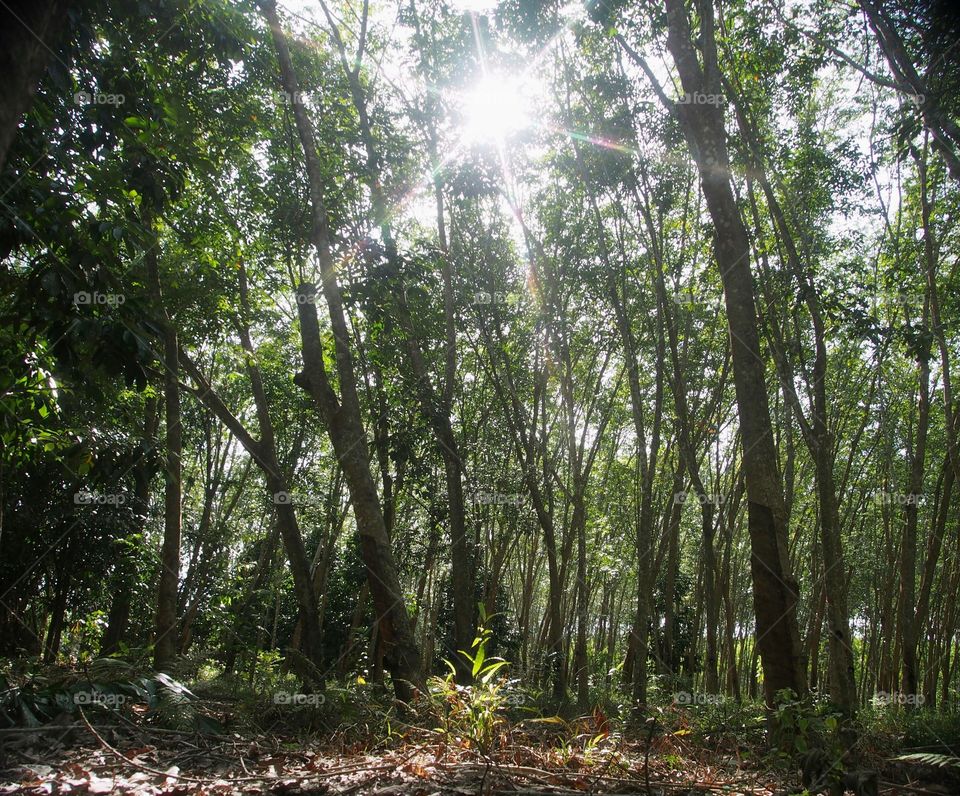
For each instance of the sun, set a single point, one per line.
(497, 107)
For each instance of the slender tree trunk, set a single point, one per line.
(343, 419)
(774, 588)
(646, 473)
(166, 642)
(436, 409)
(818, 437)
(118, 616)
(668, 657)
(58, 611)
(908, 547)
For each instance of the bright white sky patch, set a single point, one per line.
(476, 6)
(495, 108)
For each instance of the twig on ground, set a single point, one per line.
(155, 771)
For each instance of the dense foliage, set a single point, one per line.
(328, 341)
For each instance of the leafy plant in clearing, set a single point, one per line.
(472, 714)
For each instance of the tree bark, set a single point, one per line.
(166, 641)
(342, 417)
(943, 131)
(118, 616)
(29, 37)
(774, 588)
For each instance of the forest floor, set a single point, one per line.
(229, 740)
(88, 755)
(83, 758)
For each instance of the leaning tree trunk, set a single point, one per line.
(343, 418)
(435, 408)
(943, 130)
(818, 437)
(264, 453)
(277, 483)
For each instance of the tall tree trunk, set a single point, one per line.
(277, 486)
(668, 657)
(58, 612)
(435, 408)
(343, 419)
(774, 588)
(646, 471)
(908, 549)
(118, 616)
(166, 642)
(817, 435)
(264, 453)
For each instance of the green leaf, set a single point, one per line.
(491, 670)
(478, 661)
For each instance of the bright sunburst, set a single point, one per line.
(496, 108)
